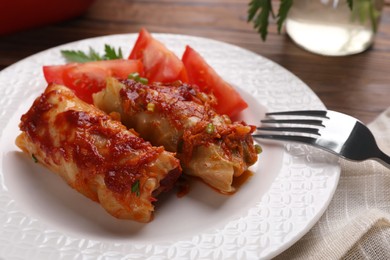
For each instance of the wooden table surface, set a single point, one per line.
(358, 85)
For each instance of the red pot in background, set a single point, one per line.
(16, 15)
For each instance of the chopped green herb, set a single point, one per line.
(135, 188)
(135, 76)
(143, 81)
(79, 56)
(258, 149)
(34, 158)
(210, 128)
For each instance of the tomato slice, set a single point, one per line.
(199, 73)
(160, 64)
(90, 77)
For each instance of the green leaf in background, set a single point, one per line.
(285, 6)
(365, 10)
(374, 16)
(254, 6)
(350, 4)
(258, 13)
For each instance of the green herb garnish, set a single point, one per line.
(34, 158)
(135, 188)
(111, 54)
(210, 128)
(79, 56)
(258, 149)
(143, 81)
(136, 77)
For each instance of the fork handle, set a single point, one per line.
(384, 159)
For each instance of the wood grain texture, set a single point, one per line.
(358, 85)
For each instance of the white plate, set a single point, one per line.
(42, 218)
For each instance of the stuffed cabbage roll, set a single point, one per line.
(96, 155)
(181, 118)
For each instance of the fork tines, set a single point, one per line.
(315, 113)
(331, 131)
(301, 130)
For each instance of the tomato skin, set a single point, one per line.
(160, 64)
(53, 74)
(90, 77)
(206, 78)
(144, 38)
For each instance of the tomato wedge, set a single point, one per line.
(90, 77)
(160, 64)
(199, 73)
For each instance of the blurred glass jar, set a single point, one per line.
(330, 27)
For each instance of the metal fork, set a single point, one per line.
(331, 131)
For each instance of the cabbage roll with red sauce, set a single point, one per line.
(181, 118)
(96, 155)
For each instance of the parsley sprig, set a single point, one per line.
(135, 188)
(79, 56)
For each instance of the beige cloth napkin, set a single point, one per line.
(356, 224)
